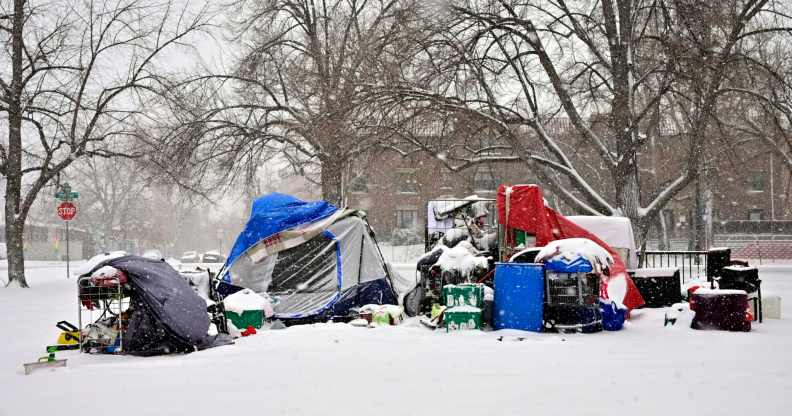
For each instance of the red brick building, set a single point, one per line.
(750, 187)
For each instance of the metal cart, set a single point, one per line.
(102, 308)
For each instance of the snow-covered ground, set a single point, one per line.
(336, 369)
(401, 254)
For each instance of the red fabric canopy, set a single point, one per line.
(522, 207)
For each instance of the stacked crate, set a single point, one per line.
(463, 306)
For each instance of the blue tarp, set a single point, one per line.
(577, 264)
(273, 213)
(309, 283)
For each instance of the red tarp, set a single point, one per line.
(522, 207)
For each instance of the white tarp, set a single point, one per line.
(616, 232)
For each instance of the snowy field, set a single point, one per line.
(335, 369)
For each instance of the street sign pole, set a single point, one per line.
(67, 211)
(67, 249)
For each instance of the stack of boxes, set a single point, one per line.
(463, 306)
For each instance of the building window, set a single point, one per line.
(756, 182)
(755, 214)
(446, 180)
(406, 181)
(487, 144)
(484, 181)
(406, 219)
(358, 184)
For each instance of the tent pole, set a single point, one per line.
(360, 267)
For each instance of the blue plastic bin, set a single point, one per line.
(519, 296)
(612, 316)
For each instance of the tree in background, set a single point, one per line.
(113, 192)
(297, 90)
(723, 52)
(76, 78)
(615, 70)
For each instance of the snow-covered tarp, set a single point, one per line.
(96, 260)
(569, 249)
(617, 232)
(461, 258)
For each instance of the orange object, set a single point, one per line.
(249, 331)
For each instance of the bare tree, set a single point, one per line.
(613, 69)
(724, 55)
(113, 191)
(78, 75)
(759, 109)
(297, 90)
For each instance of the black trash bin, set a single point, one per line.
(658, 286)
(717, 259)
(744, 278)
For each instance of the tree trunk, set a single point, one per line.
(643, 228)
(628, 199)
(663, 240)
(14, 217)
(702, 236)
(332, 181)
(16, 255)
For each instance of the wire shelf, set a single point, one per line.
(102, 305)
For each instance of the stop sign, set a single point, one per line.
(67, 211)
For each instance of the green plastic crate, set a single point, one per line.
(248, 318)
(460, 318)
(466, 294)
(521, 238)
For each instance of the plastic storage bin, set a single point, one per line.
(519, 296)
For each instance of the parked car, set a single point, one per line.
(211, 260)
(190, 257)
(213, 257)
(153, 254)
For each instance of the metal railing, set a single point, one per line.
(691, 264)
(767, 227)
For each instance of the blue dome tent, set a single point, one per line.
(315, 261)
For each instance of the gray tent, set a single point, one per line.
(313, 260)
